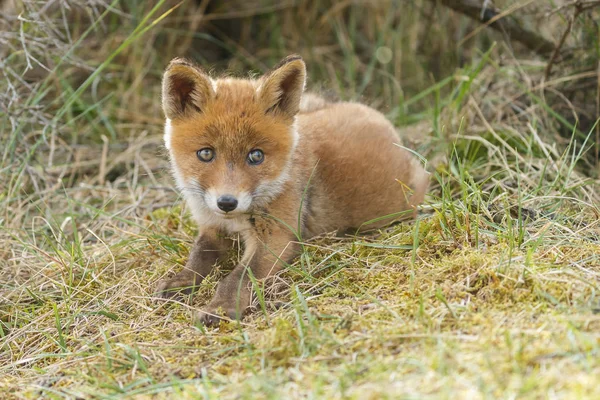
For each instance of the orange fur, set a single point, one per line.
(336, 161)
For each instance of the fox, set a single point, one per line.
(261, 160)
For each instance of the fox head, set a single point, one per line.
(231, 140)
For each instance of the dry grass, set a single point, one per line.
(492, 293)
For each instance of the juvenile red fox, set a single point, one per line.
(261, 159)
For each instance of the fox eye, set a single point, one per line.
(206, 154)
(255, 157)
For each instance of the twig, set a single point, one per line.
(558, 47)
(488, 15)
(103, 158)
(598, 116)
(580, 6)
(583, 4)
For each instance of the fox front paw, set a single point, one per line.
(183, 284)
(212, 316)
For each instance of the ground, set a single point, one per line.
(492, 292)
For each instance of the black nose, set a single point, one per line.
(227, 202)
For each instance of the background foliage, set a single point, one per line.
(492, 292)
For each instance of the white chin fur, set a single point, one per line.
(244, 202)
(167, 135)
(205, 217)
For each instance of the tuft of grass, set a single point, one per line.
(491, 293)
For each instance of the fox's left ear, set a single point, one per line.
(281, 89)
(185, 89)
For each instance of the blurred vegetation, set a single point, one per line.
(491, 293)
(78, 70)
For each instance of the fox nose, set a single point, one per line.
(227, 202)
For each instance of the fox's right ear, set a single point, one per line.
(185, 89)
(281, 89)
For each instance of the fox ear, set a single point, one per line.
(185, 89)
(281, 89)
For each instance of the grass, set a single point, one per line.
(493, 292)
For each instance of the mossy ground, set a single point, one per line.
(493, 292)
(446, 320)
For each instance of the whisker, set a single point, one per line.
(195, 191)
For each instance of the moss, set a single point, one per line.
(491, 293)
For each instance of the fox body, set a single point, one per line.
(264, 160)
